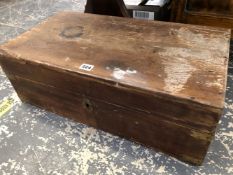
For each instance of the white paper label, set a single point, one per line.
(86, 67)
(132, 2)
(143, 15)
(157, 2)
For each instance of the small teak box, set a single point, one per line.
(160, 84)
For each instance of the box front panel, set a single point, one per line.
(186, 141)
(178, 111)
(182, 142)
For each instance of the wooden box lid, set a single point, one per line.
(182, 61)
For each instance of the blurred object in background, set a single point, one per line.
(149, 9)
(139, 9)
(211, 6)
(203, 12)
(107, 7)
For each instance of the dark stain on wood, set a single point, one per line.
(72, 32)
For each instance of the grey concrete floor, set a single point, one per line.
(34, 141)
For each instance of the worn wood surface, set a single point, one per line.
(160, 84)
(204, 12)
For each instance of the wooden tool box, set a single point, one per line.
(160, 84)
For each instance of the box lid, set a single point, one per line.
(183, 61)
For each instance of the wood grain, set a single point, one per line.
(160, 84)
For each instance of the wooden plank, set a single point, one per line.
(161, 84)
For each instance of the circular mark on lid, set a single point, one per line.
(72, 32)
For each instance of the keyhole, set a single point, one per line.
(87, 105)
